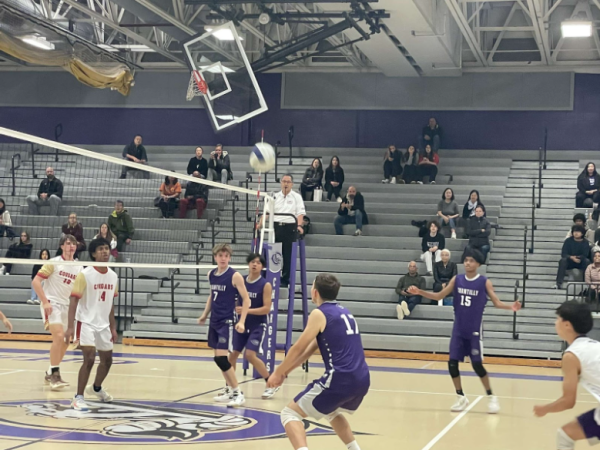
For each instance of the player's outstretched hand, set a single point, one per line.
(413, 290)
(202, 320)
(516, 305)
(8, 325)
(239, 327)
(275, 380)
(540, 410)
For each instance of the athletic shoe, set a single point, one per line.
(269, 392)
(79, 404)
(393, 181)
(493, 404)
(31, 301)
(47, 378)
(433, 182)
(453, 235)
(65, 383)
(237, 399)
(385, 181)
(405, 309)
(56, 383)
(419, 182)
(461, 404)
(358, 233)
(339, 200)
(103, 395)
(401, 181)
(2, 270)
(399, 312)
(224, 395)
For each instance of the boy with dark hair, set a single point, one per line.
(575, 254)
(580, 364)
(578, 219)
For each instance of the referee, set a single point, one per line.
(287, 202)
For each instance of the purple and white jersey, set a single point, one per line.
(255, 292)
(223, 295)
(340, 343)
(470, 298)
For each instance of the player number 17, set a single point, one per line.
(349, 329)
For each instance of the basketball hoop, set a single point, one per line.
(197, 86)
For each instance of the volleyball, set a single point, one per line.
(262, 157)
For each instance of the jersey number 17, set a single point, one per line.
(349, 328)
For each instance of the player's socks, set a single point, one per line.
(353, 446)
(489, 392)
(303, 448)
(52, 369)
(460, 392)
(97, 388)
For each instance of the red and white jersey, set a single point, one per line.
(96, 292)
(59, 280)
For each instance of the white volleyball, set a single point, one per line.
(262, 157)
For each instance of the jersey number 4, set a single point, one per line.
(465, 300)
(347, 319)
(103, 296)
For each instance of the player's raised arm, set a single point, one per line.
(206, 311)
(6, 322)
(571, 368)
(515, 306)
(238, 283)
(438, 296)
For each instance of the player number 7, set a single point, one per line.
(349, 329)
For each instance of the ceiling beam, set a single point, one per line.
(241, 2)
(461, 21)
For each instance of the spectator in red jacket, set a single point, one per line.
(428, 163)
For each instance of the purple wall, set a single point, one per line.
(577, 129)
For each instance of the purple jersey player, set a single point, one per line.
(470, 293)
(225, 286)
(259, 291)
(333, 329)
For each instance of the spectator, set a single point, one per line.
(592, 277)
(351, 210)
(198, 167)
(588, 183)
(448, 211)
(170, 191)
(428, 162)
(443, 272)
(334, 179)
(105, 233)
(312, 179)
(21, 250)
(411, 165)
(579, 219)
(121, 225)
(469, 208)
(196, 196)
(574, 255)
(45, 255)
(392, 167)
(407, 301)
(75, 229)
(432, 245)
(431, 135)
(219, 165)
(5, 222)
(49, 193)
(479, 230)
(136, 153)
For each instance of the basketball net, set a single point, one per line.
(197, 86)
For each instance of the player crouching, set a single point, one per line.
(92, 305)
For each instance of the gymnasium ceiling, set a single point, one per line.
(395, 37)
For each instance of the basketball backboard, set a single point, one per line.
(232, 92)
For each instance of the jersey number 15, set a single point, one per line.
(465, 300)
(349, 328)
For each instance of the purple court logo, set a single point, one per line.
(139, 422)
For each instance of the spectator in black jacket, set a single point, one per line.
(312, 179)
(219, 165)
(432, 245)
(198, 165)
(431, 135)
(575, 254)
(352, 210)
(588, 185)
(135, 152)
(49, 193)
(478, 230)
(411, 165)
(392, 167)
(443, 272)
(20, 250)
(196, 196)
(472, 203)
(334, 179)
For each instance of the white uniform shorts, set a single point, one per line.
(87, 336)
(58, 316)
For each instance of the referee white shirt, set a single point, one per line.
(288, 203)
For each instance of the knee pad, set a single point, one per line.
(289, 415)
(453, 368)
(563, 441)
(479, 369)
(223, 363)
(333, 415)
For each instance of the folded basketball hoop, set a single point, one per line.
(197, 86)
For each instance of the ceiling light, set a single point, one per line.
(216, 69)
(131, 47)
(38, 41)
(572, 28)
(223, 34)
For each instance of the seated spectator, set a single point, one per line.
(219, 166)
(592, 277)
(5, 222)
(411, 165)
(121, 225)
(478, 230)
(312, 179)
(20, 250)
(170, 191)
(351, 210)
(45, 255)
(49, 194)
(574, 255)
(392, 167)
(469, 208)
(198, 167)
(75, 229)
(407, 301)
(432, 245)
(105, 233)
(431, 135)
(136, 153)
(448, 211)
(334, 179)
(196, 196)
(443, 272)
(579, 219)
(428, 163)
(588, 183)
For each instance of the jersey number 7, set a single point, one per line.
(347, 319)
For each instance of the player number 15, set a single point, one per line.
(465, 300)
(347, 319)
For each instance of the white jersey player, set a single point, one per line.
(92, 308)
(580, 364)
(54, 295)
